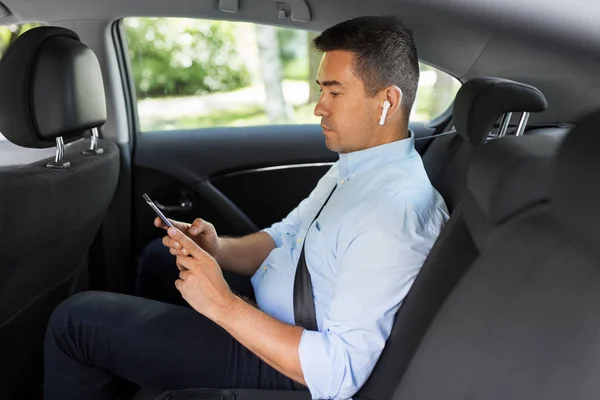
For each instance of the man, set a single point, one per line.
(363, 252)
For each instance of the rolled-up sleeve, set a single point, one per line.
(375, 271)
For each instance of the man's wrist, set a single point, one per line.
(229, 311)
(217, 255)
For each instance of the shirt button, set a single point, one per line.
(354, 175)
(264, 268)
(299, 240)
(342, 182)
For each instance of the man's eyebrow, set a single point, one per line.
(329, 83)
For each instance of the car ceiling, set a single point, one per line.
(552, 45)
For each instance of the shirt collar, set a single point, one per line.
(357, 162)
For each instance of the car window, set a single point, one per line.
(192, 74)
(11, 154)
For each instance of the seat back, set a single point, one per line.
(523, 321)
(479, 103)
(457, 247)
(51, 91)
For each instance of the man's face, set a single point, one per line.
(349, 117)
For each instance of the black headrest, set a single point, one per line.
(576, 186)
(512, 173)
(481, 101)
(50, 86)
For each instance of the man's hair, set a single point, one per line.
(385, 54)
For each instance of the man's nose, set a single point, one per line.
(321, 110)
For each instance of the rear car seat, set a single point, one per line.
(479, 103)
(51, 91)
(523, 321)
(515, 185)
(455, 249)
(452, 254)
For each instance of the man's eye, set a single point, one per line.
(334, 94)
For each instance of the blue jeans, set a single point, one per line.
(96, 339)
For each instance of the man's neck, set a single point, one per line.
(391, 134)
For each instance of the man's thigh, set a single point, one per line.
(157, 273)
(159, 345)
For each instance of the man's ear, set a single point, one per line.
(393, 95)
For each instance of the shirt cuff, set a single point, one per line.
(317, 360)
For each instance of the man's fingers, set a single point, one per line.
(187, 243)
(184, 274)
(180, 267)
(182, 252)
(184, 262)
(177, 224)
(197, 227)
(158, 223)
(173, 244)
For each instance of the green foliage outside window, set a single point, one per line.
(185, 57)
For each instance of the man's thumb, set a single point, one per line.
(196, 227)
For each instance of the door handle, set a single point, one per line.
(185, 205)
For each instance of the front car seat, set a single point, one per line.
(51, 93)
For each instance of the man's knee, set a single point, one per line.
(79, 307)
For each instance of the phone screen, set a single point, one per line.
(157, 211)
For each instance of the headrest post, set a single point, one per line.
(522, 124)
(504, 125)
(60, 153)
(93, 150)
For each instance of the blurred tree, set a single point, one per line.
(8, 34)
(294, 48)
(271, 71)
(177, 57)
(289, 41)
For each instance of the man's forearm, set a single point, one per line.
(245, 254)
(273, 341)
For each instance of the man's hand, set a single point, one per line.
(201, 281)
(202, 285)
(202, 232)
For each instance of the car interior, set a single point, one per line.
(506, 303)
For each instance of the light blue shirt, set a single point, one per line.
(363, 254)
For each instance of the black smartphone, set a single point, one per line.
(157, 211)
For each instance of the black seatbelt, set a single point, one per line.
(304, 306)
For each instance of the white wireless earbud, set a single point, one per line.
(386, 107)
